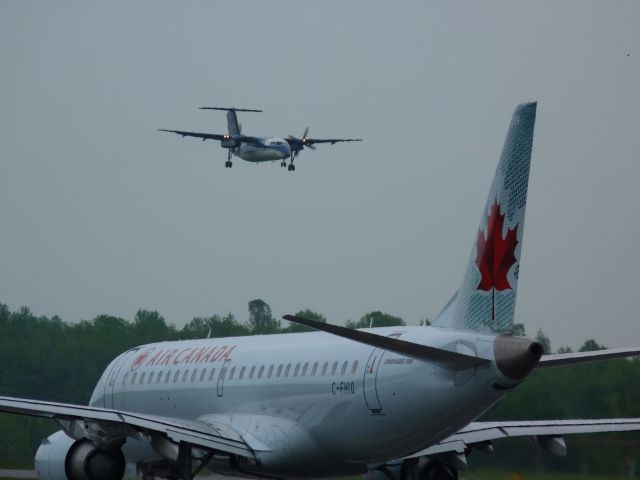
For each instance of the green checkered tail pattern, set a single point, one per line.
(486, 299)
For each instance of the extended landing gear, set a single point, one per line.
(283, 163)
(228, 163)
(291, 167)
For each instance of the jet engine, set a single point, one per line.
(60, 457)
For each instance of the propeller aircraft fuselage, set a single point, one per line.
(258, 149)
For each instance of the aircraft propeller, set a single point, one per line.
(302, 142)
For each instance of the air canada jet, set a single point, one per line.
(259, 149)
(395, 402)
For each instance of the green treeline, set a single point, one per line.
(47, 358)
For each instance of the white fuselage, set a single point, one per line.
(269, 149)
(322, 405)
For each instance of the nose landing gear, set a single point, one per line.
(228, 163)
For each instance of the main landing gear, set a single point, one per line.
(291, 167)
(228, 163)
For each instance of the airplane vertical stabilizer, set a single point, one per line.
(486, 299)
(232, 123)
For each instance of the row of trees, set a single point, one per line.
(48, 358)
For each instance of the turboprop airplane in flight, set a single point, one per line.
(396, 401)
(259, 149)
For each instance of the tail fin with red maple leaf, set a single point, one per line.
(486, 299)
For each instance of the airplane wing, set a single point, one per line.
(560, 359)
(332, 141)
(92, 422)
(203, 136)
(214, 136)
(547, 433)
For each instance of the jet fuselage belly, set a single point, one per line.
(316, 401)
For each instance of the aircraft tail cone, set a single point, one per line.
(516, 356)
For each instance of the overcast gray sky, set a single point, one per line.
(101, 213)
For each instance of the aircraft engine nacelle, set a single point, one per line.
(60, 457)
(228, 143)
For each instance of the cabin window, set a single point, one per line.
(126, 377)
(212, 373)
(233, 372)
(242, 370)
(202, 374)
(159, 377)
(175, 377)
(253, 369)
(133, 378)
(150, 378)
(314, 369)
(184, 375)
(295, 372)
(287, 370)
(324, 368)
(304, 369)
(270, 372)
(193, 375)
(166, 378)
(279, 371)
(142, 378)
(344, 368)
(354, 368)
(261, 371)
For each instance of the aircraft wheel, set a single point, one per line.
(292, 168)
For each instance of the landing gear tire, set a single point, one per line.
(228, 164)
(283, 164)
(291, 167)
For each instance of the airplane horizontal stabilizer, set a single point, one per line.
(445, 358)
(230, 109)
(561, 359)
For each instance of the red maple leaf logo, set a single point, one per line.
(496, 255)
(139, 360)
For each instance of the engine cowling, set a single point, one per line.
(60, 457)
